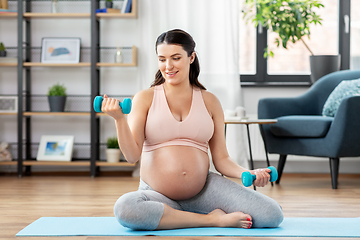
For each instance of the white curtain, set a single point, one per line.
(214, 25)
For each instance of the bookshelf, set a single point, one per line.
(28, 113)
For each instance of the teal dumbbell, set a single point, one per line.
(247, 178)
(125, 105)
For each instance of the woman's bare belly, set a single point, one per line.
(178, 172)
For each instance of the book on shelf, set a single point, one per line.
(126, 8)
(7, 11)
(107, 10)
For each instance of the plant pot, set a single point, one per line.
(57, 103)
(113, 155)
(2, 53)
(108, 4)
(320, 65)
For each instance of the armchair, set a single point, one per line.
(302, 130)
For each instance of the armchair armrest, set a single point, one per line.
(345, 129)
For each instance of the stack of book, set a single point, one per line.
(107, 10)
(126, 8)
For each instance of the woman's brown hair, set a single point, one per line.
(182, 38)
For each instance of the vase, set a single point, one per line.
(113, 155)
(321, 65)
(109, 4)
(54, 6)
(57, 103)
(118, 56)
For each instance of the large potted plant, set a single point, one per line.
(291, 20)
(2, 50)
(113, 151)
(57, 98)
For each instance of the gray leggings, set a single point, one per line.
(143, 209)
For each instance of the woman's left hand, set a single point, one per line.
(262, 177)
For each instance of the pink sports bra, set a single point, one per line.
(162, 129)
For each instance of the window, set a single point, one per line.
(247, 41)
(291, 66)
(355, 35)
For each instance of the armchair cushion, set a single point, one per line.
(343, 90)
(301, 126)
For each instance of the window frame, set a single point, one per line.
(261, 78)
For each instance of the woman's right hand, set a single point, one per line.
(111, 107)
(262, 177)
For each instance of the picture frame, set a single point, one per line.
(55, 148)
(60, 50)
(8, 104)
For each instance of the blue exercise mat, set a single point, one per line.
(108, 226)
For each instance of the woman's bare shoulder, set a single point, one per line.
(141, 104)
(144, 97)
(212, 104)
(210, 98)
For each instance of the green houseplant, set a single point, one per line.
(113, 151)
(291, 20)
(2, 50)
(57, 97)
(112, 142)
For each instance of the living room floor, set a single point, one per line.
(23, 200)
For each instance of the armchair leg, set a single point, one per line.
(281, 164)
(334, 169)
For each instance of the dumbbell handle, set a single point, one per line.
(247, 178)
(125, 105)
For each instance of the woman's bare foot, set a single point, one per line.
(235, 219)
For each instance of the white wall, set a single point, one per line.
(117, 81)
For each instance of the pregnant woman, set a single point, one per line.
(171, 126)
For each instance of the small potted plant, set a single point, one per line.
(57, 98)
(113, 151)
(109, 3)
(2, 50)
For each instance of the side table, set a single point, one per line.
(247, 122)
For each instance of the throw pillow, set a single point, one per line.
(344, 89)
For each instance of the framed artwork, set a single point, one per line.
(55, 148)
(8, 104)
(60, 50)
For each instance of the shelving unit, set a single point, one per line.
(73, 163)
(8, 64)
(56, 15)
(8, 15)
(39, 64)
(24, 69)
(10, 69)
(29, 114)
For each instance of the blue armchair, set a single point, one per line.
(302, 130)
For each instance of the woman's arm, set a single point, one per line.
(220, 156)
(130, 131)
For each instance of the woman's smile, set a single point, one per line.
(171, 74)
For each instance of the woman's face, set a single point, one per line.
(174, 63)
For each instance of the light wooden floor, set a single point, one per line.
(24, 200)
